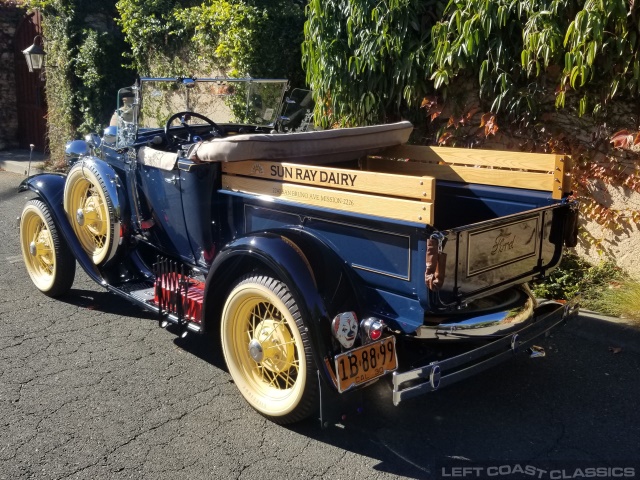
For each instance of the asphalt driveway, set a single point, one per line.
(92, 388)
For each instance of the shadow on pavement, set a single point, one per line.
(106, 302)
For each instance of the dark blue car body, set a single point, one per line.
(333, 261)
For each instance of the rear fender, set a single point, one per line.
(50, 188)
(286, 260)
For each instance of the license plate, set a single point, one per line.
(365, 363)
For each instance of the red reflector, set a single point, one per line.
(376, 332)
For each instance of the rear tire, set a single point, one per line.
(47, 258)
(267, 349)
(91, 212)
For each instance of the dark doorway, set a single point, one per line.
(31, 100)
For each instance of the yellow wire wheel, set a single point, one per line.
(46, 256)
(91, 212)
(267, 351)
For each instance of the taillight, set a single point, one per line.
(371, 329)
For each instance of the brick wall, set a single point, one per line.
(10, 15)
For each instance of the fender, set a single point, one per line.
(290, 265)
(50, 188)
(328, 267)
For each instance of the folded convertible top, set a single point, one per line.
(316, 147)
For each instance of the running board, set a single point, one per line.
(143, 297)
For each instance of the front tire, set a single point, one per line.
(47, 258)
(266, 348)
(91, 212)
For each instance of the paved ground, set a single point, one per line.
(91, 388)
(17, 161)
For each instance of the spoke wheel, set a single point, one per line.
(46, 256)
(266, 353)
(91, 212)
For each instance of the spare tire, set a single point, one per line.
(91, 211)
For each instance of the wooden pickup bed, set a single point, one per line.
(400, 182)
(534, 171)
(403, 197)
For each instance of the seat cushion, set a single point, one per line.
(157, 158)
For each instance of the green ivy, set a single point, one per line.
(365, 59)
(84, 67)
(588, 49)
(257, 38)
(88, 64)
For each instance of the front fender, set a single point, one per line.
(283, 257)
(50, 188)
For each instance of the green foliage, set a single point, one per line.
(84, 67)
(594, 282)
(153, 35)
(513, 45)
(605, 288)
(99, 72)
(621, 300)
(257, 38)
(364, 59)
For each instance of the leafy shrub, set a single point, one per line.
(84, 58)
(596, 283)
(363, 57)
(257, 38)
(364, 60)
(86, 44)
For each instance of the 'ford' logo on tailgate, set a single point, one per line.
(495, 247)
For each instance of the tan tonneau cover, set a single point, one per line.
(317, 147)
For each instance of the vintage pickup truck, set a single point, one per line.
(317, 259)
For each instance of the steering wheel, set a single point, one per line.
(184, 116)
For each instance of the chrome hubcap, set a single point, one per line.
(80, 217)
(33, 249)
(255, 350)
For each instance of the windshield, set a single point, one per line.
(153, 101)
(237, 101)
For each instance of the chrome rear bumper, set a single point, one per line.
(446, 372)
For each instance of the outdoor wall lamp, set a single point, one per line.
(35, 55)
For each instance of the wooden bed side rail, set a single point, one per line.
(415, 211)
(535, 171)
(394, 184)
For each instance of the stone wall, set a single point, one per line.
(10, 15)
(621, 243)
